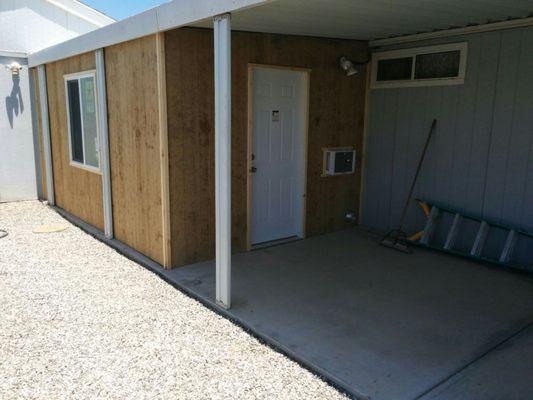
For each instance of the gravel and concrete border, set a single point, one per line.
(78, 320)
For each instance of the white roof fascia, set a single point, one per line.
(14, 54)
(83, 11)
(164, 17)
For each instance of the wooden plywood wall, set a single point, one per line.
(77, 190)
(335, 119)
(132, 97)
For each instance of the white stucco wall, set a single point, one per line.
(31, 25)
(25, 27)
(17, 161)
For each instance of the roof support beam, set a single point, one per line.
(222, 45)
(104, 142)
(47, 145)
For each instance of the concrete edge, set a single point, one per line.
(158, 270)
(456, 374)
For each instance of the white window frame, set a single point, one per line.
(78, 76)
(413, 52)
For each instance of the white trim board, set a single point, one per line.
(13, 54)
(47, 146)
(496, 26)
(101, 95)
(167, 16)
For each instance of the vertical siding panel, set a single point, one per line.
(487, 74)
(445, 142)
(502, 124)
(428, 185)
(524, 111)
(417, 126)
(522, 130)
(372, 158)
(400, 183)
(464, 123)
(386, 155)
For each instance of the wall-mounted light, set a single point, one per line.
(348, 66)
(14, 67)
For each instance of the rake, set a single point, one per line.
(397, 239)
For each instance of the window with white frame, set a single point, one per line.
(421, 66)
(82, 120)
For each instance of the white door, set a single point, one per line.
(278, 140)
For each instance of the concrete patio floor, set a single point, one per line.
(382, 324)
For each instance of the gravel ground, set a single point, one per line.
(78, 320)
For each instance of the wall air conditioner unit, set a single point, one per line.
(338, 161)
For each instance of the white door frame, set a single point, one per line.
(249, 183)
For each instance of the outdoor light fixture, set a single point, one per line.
(348, 66)
(14, 67)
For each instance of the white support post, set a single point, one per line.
(104, 143)
(47, 146)
(222, 45)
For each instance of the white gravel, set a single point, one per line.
(78, 320)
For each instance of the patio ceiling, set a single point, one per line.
(348, 19)
(373, 19)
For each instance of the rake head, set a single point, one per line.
(396, 240)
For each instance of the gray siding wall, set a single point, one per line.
(481, 158)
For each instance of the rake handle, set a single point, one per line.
(418, 168)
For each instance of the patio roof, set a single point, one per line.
(376, 19)
(350, 19)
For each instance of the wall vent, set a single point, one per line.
(338, 161)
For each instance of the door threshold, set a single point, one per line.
(275, 242)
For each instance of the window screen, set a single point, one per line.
(395, 69)
(88, 107)
(83, 129)
(437, 65)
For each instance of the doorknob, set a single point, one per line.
(253, 170)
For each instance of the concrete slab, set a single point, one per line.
(386, 325)
(504, 373)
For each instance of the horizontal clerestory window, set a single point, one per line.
(82, 120)
(422, 66)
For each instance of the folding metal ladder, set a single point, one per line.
(435, 211)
